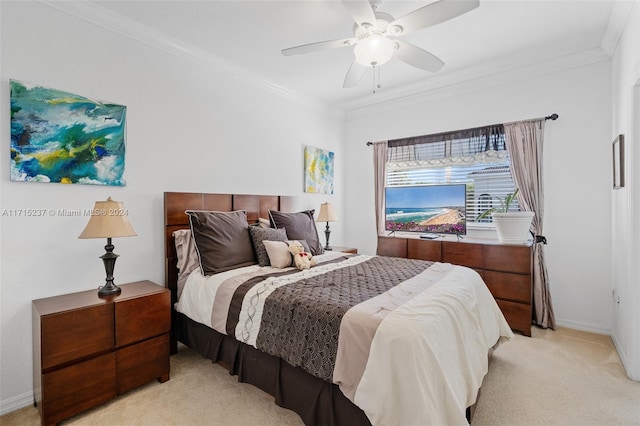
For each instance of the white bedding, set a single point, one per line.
(429, 355)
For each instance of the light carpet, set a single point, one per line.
(563, 377)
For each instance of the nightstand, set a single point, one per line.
(345, 249)
(87, 349)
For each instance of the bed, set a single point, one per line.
(355, 340)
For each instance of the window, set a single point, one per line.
(476, 157)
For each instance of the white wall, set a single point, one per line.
(189, 128)
(577, 170)
(625, 230)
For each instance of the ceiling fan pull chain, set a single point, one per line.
(373, 81)
(376, 78)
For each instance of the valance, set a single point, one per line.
(456, 147)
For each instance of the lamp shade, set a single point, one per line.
(374, 50)
(108, 220)
(326, 213)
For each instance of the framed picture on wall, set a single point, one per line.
(61, 137)
(318, 170)
(618, 162)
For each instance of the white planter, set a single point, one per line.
(513, 227)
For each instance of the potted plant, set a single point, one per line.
(512, 226)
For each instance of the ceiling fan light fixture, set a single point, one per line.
(395, 29)
(374, 50)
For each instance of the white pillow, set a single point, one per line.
(278, 252)
(264, 223)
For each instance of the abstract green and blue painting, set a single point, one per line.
(61, 137)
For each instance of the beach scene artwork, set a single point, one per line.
(318, 170)
(437, 209)
(60, 137)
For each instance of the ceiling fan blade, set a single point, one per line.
(354, 75)
(432, 14)
(321, 45)
(417, 57)
(360, 11)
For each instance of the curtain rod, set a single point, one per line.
(552, 117)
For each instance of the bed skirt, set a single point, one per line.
(316, 401)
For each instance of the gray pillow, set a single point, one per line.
(299, 226)
(222, 240)
(258, 235)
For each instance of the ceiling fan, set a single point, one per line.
(374, 39)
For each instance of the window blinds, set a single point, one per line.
(476, 157)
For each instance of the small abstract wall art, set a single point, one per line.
(61, 137)
(318, 170)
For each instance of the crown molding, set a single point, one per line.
(517, 67)
(471, 79)
(126, 27)
(617, 20)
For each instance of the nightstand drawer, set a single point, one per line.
(71, 390)
(140, 363)
(143, 317)
(60, 332)
(351, 250)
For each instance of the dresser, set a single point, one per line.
(87, 349)
(505, 268)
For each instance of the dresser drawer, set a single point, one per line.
(76, 334)
(465, 254)
(424, 250)
(140, 363)
(518, 315)
(504, 285)
(73, 389)
(393, 247)
(142, 317)
(508, 258)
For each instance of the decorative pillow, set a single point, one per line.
(222, 240)
(187, 256)
(278, 252)
(258, 235)
(299, 226)
(264, 222)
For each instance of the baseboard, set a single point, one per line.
(16, 403)
(583, 327)
(621, 354)
(623, 357)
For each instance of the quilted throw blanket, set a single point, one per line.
(406, 340)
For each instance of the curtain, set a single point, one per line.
(379, 174)
(524, 140)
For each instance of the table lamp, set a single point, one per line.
(108, 220)
(327, 215)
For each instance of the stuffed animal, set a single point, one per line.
(302, 259)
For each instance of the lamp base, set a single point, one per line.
(327, 232)
(109, 259)
(109, 289)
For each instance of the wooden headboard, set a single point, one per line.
(175, 204)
